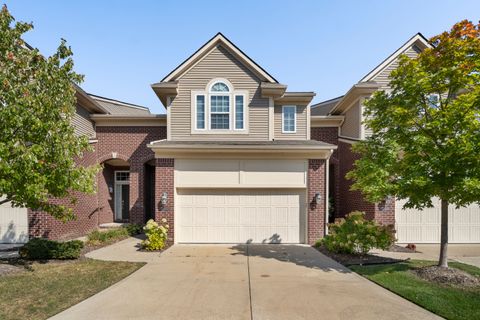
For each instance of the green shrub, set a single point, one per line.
(44, 249)
(156, 235)
(133, 229)
(111, 235)
(356, 235)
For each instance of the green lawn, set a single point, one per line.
(448, 302)
(52, 287)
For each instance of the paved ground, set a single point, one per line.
(466, 253)
(9, 251)
(240, 282)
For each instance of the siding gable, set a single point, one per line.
(383, 77)
(82, 123)
(218, 63)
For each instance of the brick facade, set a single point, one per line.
(330, 135)
(354, 200)
(164, 182)
(125, 143)
(316, 212)
(44, 225)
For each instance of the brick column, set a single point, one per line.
(164, 182)
(385, 212)
(316, 212)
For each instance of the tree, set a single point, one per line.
(38, 145)
(426, 130)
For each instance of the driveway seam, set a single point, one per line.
(249, 284)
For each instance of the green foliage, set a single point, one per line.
(356, 235)
(44, 249)
(38, 145)
(133, 229)
(419, 149)
(97, 237)
(156, 235)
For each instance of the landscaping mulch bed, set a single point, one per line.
(364, 259)
(447, 276)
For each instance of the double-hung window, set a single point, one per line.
(289, 119)
(220, 108)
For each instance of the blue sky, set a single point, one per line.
(324, 46)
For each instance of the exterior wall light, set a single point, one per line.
(163, 199)
(110, 189)
(318, 197)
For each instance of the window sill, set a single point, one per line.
(210, 132)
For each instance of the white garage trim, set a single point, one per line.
(415, 226)
(240, 215)
(234, 173)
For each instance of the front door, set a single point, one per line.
(122, 195)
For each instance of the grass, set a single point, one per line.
(53, 287)
(448, 302)
(109, 236)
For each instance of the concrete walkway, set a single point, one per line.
(239, 282)
(466, 253)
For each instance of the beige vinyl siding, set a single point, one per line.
(82, 123)
(383, 77)
(301, 124)
(219, 63)
(352, 122)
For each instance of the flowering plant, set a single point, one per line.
(156, 235)
(357, 235)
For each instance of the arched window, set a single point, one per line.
(219, 87)
(220, 98)
(220, 108)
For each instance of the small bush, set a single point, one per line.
(133, 229)
(156, 235)
(44, 249)
(356, 235)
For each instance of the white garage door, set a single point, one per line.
(13, 224)
(415, 226)
(240, 216)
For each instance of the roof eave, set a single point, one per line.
(303, 98)
(163, 90)
(358, 90)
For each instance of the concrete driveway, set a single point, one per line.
(243, 282)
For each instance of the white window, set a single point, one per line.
(289, 119)
(219, 108)
(434, 100)
(200, 111)
(239, 112)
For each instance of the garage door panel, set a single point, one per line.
(418, 226)
(238, 216)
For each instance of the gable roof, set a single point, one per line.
(417, 39)
(219, 38)
(116, 107)
(323, 108)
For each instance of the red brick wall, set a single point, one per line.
(164, 182)
(130, 144)
(351, 200)
(330, 135)
(316, 212)
(42, 224)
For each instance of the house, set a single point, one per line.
(236, 158)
